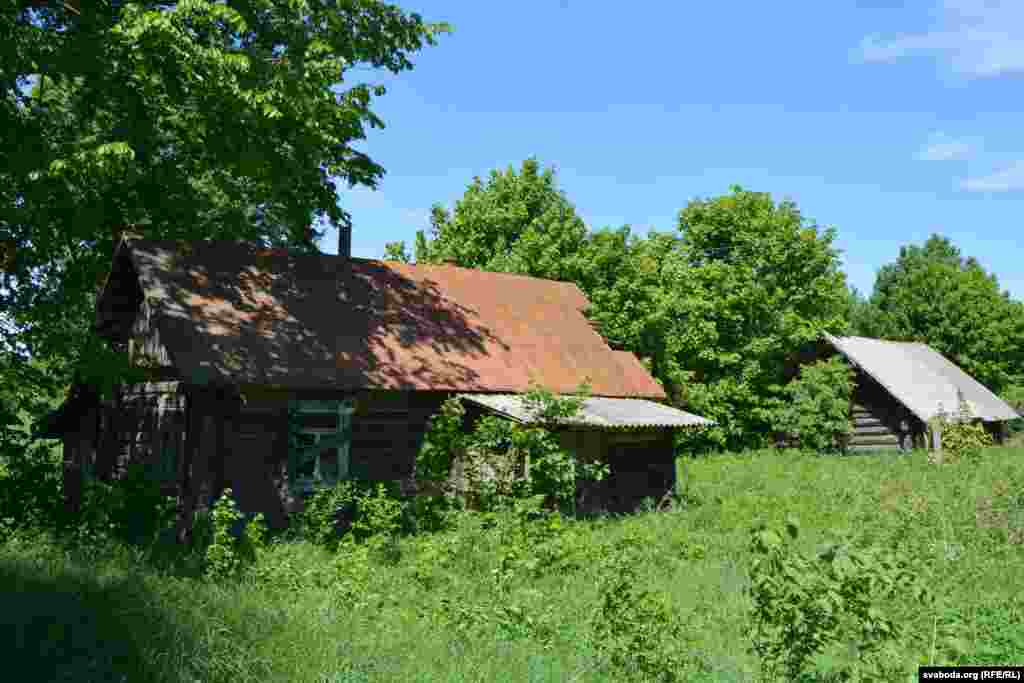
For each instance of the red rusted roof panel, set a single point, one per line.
(230, 310)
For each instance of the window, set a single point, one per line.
(320, 433)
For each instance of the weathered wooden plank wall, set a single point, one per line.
(149, 426)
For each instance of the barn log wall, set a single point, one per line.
(877, 417)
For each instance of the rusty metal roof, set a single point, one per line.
(231, 311)
(599, 412)
(921, 378)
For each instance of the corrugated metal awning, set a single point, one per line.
(600, 412)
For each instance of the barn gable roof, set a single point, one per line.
(234, 312)
(921, 378)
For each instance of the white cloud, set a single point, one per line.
(975, 37)
(941, 147)
(1009, 179)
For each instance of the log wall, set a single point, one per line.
(149, 429)
(243, 444)
(878, 419)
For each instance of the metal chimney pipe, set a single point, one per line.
(345, 240)
(344, 261)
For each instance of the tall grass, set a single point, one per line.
(492, 600)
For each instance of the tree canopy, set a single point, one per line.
(933, 294)
(714, 308)
(515, 222)
(752, 282)
(189, 120)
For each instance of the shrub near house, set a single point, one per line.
(815, 410)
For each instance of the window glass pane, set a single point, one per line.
(329, 466)
(305, 439)
(306, 465)
(318, 421)
(306, 469)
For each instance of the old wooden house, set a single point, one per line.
(276, 373)
(901, 386)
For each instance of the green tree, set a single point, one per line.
(186, 120)
(515, 222)
(861, 315)
(932, 294)
(751, 282)
(396, 251)
(623, 275)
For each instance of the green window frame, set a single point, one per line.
(308, 468)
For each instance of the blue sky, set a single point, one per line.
(888, 122)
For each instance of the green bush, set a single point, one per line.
(233, 546)
(962, 438)
(636, 633)
(802, 605)
(497, 453)
(426, 513)
(815, 409)
(327, 514)
(137, 509)
(441, 443)
(360, 509)
(378, 513)
(1014, 395)
(30, 485)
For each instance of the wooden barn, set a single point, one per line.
(276, 373)
(901, 386)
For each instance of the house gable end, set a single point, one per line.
(127, 319)
(120, 299)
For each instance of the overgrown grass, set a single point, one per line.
(494, 599)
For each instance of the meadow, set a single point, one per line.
(513, 597)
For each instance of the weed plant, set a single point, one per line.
(523, 594)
